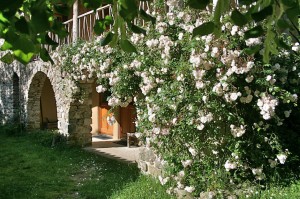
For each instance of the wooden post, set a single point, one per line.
(75, 22)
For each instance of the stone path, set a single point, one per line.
(109, 148)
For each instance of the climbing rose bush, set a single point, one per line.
(215, 115)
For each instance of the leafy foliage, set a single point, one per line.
(213, 111)
(30, 21)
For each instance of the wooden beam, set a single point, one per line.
(75, 22)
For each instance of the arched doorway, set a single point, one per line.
(124, 117)
(41, 107)
(48, 106)
(16, 98)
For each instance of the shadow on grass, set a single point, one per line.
(41, 165)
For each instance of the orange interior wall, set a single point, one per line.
(48, 103)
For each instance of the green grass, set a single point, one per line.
(279, 192)
(31, 168)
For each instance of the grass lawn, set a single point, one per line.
(31, 168)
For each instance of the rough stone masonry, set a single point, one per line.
(20, 92)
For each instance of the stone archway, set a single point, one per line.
(41, 107)
(16, 98)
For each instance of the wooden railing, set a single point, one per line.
(86, 22)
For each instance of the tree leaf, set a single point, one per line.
(204, 29)
(45, 55)
(289, 3)
(221, 7)
(3, 19)
(198, 4)
(59, 29)
(238, 18)
(6, 46)
(136, 29)
(147, 17)
(99, 27)
(108, 20)
(129, 4)
(254, 32)
(263, 14)
(246, 2)
(62, 9)
(49, 41)
(282, 44)
(22, 57)
(93, 4)
(9, 8)
(26, 45)
(282, 24)
(22, 26)
(39, 17)
(252, 50)
(293, 14)
(107, 39)
(270, 46)
(127, 46)
(128, 9)
(8, 58)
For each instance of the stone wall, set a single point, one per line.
(75, 124)
(150, 164)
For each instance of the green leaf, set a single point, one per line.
(22, 57)
(254, 32)
(102, 24)
(8, 58)
(107, 39)
(128, 9)
(24, 44)
(282, 24)
(238, 18)
(289, 3)
(3, 19)
(263, 14)
(93, 4)
(9, 8)
(45, 56)
(293, 14)
(129, 4)
(246, 2)
(62, 9)
(18, 42)
(40, 18)
(282, 44)
(136, 29)
(252, 50)
(127, 46)
(49, 41)
(270, 46)
(6, 46)
(59, 29)
(204, 29)
(147, 17)
(198, 4)
(99, 27)
(22, 25)
(221, 7)
(108, 20)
